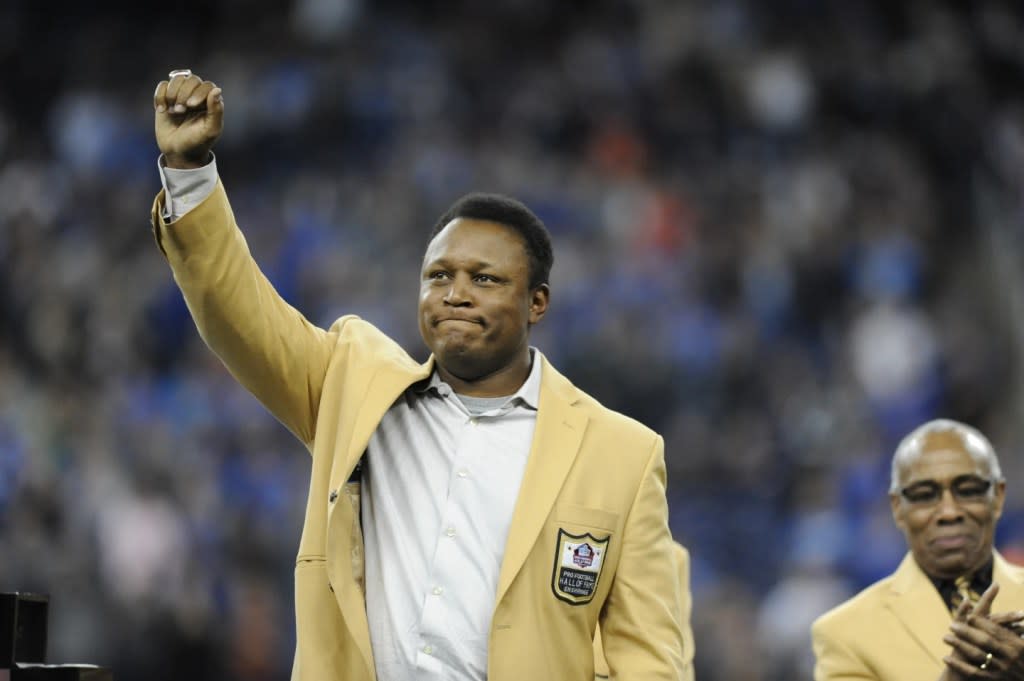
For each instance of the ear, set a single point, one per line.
(1000, 497)
(539, 299)
(895, 502)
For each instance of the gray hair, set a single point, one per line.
(976, 444)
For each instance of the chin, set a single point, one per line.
(452, 350)
(957, 565)
(460, 360)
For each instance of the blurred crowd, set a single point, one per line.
(785, 233)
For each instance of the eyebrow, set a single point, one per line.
(964, 477)
(446, 263)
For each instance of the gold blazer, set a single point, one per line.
(892, 631)
(592, 476)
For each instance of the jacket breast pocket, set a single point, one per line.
(570, 515)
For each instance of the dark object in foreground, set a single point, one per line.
(23, 626)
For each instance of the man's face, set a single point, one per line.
(948, 507)
(476, 306)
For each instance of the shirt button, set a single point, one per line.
(438, 590)
(472, 422)
(429, 650)
(450, 532)
(463, 473)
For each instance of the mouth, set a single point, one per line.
(952, 542)
(457, 320)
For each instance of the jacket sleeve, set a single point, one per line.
(645, 623)
(267, 345)
(601, 670)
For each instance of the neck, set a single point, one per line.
(503, 381)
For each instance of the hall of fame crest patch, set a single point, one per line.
(578, 563)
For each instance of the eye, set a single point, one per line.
(971, 489)
(437, 275)
(485, 279)
(922, 494)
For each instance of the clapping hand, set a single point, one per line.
(985, 645)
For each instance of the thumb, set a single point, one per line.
(984, 605)
(215, 108)
(962, 611)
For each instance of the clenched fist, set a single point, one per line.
(189, 119)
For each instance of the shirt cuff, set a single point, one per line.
(186, 189)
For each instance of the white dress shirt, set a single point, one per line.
(439, 487)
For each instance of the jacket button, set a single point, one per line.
(333, 496)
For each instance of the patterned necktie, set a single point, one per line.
(963, 591)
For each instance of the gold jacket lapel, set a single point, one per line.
(383, 388)
(1011, 587)
(915, 601)
(556, 442)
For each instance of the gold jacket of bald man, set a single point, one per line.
(894, 629)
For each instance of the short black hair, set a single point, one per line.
(512, 213)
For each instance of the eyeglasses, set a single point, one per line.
(966, 489)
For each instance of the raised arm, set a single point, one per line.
(271, 349)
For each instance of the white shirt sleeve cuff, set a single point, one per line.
(186, 189)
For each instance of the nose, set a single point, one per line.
(949, 508)
(457, 294)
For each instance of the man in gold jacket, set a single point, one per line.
(932, 618)
(582, 533)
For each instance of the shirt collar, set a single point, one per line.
(528, 393)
